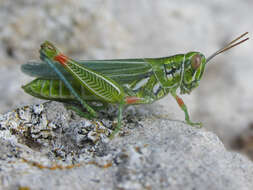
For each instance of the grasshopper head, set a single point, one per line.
(194, 66)
(48, 50)
(195, 62)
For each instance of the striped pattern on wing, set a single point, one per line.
(100, 85)
(123, 71)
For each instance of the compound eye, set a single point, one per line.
(47, 45)
(50, 47)
(196, 61)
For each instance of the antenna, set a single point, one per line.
(228, 46)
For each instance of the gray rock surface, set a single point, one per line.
(104, 29)
(45, 146)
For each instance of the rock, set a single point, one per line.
(77, 27)
(47, 147)
(99, 29)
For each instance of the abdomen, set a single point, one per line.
(54, 89)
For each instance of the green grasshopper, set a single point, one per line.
(83, 84)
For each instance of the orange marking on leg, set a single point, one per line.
(180, 101)
(62, 59)
(132, 99)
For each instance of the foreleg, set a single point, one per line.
(184, 108)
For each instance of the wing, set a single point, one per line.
(121, 70)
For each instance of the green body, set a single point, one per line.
(119, 81)
(149, 79)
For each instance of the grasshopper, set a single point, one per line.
(117, 81)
